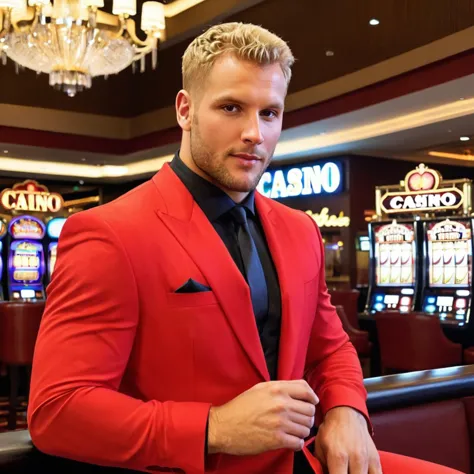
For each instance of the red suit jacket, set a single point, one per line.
(125, 369)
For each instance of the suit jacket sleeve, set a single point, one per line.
(85, 340)
(332, 367)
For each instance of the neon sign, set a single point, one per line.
(324, 219)
(424, 190)
(31, 197)
(305, 180)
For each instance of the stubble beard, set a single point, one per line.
(213, 166)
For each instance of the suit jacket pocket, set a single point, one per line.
(190, 300)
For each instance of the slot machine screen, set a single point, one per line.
(26, 258)
(395, 255)
(449, 254)
(55, 227)
(53, 247)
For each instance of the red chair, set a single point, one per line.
(410, 342)
(19, 326)
(359, 339)
(349, 300)
(469, 356)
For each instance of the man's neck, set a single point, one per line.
(187, 159)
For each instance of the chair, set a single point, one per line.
(410, 342)
(469, 356)
(349, 300)
(19, 326)
(359, 339)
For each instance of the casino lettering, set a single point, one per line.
(32, 202)
(406, 202)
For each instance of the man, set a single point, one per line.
(188, 326)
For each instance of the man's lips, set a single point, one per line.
(247, 156)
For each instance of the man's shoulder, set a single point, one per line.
(125, 209)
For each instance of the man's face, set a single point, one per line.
(237, 122)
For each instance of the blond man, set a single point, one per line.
(188, 326)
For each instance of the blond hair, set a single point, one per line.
(246, 41)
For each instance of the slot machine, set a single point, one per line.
(26, 263)
(3, 233)
(53, 231)
(447, 270)
(394, 269)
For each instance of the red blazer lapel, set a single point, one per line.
(184, 218)
(280, 241)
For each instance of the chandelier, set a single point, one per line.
(73, 41)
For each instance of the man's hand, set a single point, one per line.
(344, 445)
(268, 416)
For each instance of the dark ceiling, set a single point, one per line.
(311, 27)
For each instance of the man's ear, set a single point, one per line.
(183, 110)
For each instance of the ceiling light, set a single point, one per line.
(454, 156)
(5, 151)
(464, 139)
(74, 41)
(329, 53)
(374, 22)
(290, 146)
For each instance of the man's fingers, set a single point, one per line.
(338, 462)
(302, 420)
(302, 408)
(300, 390)
(358, 464)
(294, 443)
(374, 465)
(294, 429)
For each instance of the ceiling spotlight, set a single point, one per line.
(464, 139)
(5, 151)
(374, 22)
(329, 53)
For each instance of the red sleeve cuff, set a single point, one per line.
(336, 397)
(186, 429)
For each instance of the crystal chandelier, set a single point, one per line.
(73, 41)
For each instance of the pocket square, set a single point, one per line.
(192, 286)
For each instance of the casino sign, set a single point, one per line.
(30, 196)
(423, 190)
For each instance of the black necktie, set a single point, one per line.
(252, 265)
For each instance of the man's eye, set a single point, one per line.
(269, 113)
(230, 108)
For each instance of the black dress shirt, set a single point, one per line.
(216, 205)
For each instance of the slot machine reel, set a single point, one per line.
(395, 254)
(449, 274)
(460, 253)
(437, 253)
(448, 253)
(406, 254)
(384, 254)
